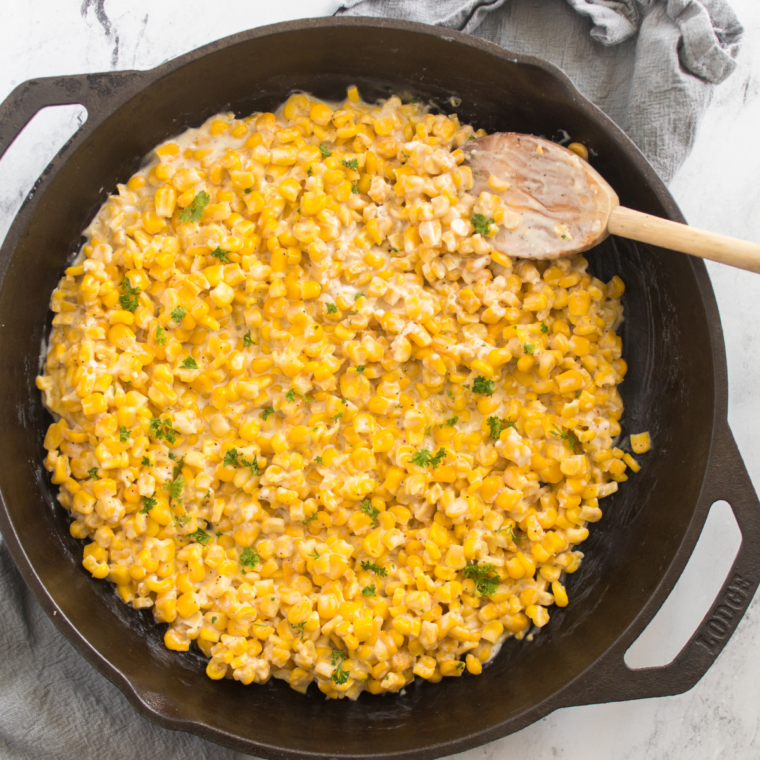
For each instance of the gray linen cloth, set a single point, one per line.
(650, 64)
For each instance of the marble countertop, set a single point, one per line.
(717, 189)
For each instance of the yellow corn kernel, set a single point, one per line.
(641, 443)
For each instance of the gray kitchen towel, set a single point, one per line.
(650, 65)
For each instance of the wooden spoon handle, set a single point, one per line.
(680, 237)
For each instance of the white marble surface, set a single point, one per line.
(717, 189)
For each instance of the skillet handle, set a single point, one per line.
(98, 93)
(612, 681)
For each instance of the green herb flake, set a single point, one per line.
(176, 487)
(529, 347)
(331, 308)
(146, 462)
(369, 590)
(337, 417)
(247, 340)
(161, 337)
(353, 164)
(124, 434)
(481, 224)
(559, 433)
(221, 255)
(189, 363)
(339, 676)
(449, 393)
(249, 557)
(544, 328)
(200, 536)
(195, 210)
(373, 568)
(178, 314)
(93, 473)
(360, 369)
(452, 421)
(268, 412)
(148, 504)
(483, 386)
(357, 296)
(128, 298)
(231, 458)
(300, 628)
(485, 584)
(369, 510)
(162, 429)
(325, 151)
(318, 460)
(494, 423)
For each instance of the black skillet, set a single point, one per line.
(676, 388)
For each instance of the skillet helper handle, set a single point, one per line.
(96, 92)
(645, 228)
(727, 479)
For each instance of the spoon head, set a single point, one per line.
(555, 203)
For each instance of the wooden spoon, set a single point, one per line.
(556, 205)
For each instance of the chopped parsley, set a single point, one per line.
(354, 188)
(231, 458)
(247, 340)
(483, 386)
(357, 296)
(189, 363)
(423, 458)
(360, 369)
(325, 151)
(221, 255)
(178, 314)
(369, 590)
(249, 557)
(369, 510)
(124, 434)
(176, 487)
(449, 393)
(452, 421)
(544, 328)
(291, 395)
(428, 431)
(309, 519)
(200, 536)
(93, 473)
(559, 433)
(353, 164)
(529, 347)
(268, 412)
(318, 460)
(331, 308)
(337, 417)
(339, 675)
(163, 429)
(161, 337)
(481, 224)
(495, 424)
(248, 190)
(578, 394)
(214, 619)
(300, 628)
(253, 465)
(485, 584)
(148, 504)
(146, 462)
(195, 210)
(511, 424)
(128, 298)
(373, 568)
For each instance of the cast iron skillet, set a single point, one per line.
(676, 388)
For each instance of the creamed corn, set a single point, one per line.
(308, 416)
